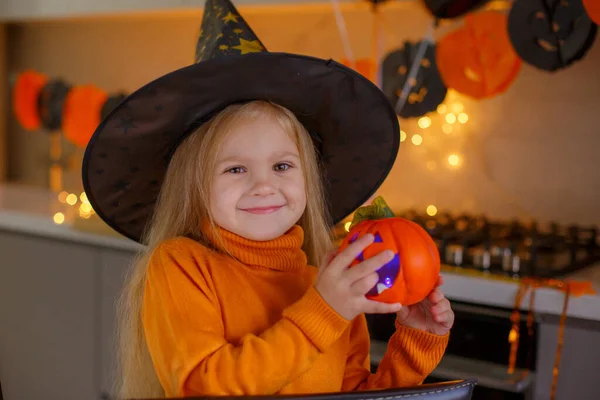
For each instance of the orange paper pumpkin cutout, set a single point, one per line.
(592, 9)
(364, 66)
(413, 272)
(25, 98)
(81, 117)
(478, 59)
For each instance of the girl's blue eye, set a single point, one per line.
(281, 167)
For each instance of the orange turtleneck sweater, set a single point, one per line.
(253, 324)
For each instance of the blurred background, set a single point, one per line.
(498, 104)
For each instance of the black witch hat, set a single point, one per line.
(353, 125)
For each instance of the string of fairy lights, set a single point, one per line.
(441, 135)
(81, 202)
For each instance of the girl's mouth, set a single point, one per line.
(262, 210)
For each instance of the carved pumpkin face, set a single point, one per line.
(550, 38)
(427, 91)
(412, 273)
(478, 60)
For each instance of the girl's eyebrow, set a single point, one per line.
(288, 153)
(235, 158)
(230, 159)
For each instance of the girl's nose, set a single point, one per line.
(262, 186)
(263, 190)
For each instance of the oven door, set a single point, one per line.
(478, 348)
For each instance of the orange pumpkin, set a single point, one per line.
(478, 60)
(415, 268)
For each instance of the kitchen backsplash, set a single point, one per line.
(533, 151)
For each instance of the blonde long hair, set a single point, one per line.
(181, 206)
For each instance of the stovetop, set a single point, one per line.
(516, 248)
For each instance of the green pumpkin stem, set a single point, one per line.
(378, 209)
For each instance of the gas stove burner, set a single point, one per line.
(512, 247)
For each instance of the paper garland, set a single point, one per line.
(474, 60)
(53, 104)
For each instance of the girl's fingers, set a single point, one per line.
(436, 296)
(440, 281)
(446, 318)
(363, 285)
(440, 308)
(368, 266)
(378, 307)
(345, 257)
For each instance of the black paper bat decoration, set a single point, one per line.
(550, 34)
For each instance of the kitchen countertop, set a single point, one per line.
(30, 210)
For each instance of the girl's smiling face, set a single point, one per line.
(258, 190)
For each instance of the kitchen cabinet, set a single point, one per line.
(579, 363)
(45, 9)
(58, 317)
(48, 323)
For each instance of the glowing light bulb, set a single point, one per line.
(453, 160)
(450, 118)
(72, 199)
(402, 136)
(463, 118)
(85, 207)
(83, 198)
(417, 139)
(62, 197)
(424, 122)
(442, 108)
(59, 218)
(431, 210)
(347, 226)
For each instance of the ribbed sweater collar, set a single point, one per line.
(283, 253)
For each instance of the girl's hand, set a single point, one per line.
(433, 315)
(344, 288)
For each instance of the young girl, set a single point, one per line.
(226, 292)
(239, 290)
